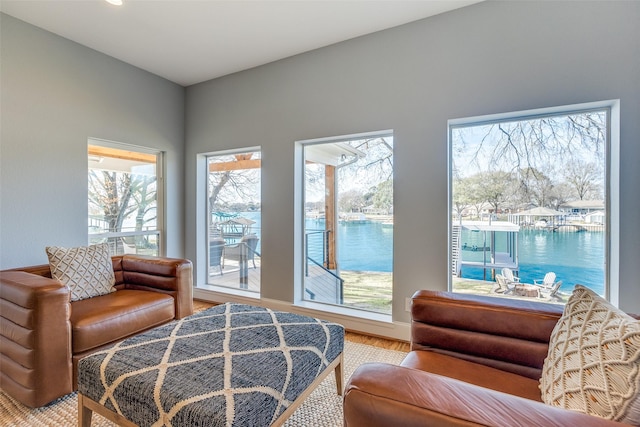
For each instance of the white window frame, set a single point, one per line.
(299, 230)
(160, 193)
(612, 177)
(202, 229)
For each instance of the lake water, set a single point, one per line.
(364, 246)
(576, 258)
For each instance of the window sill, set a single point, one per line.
(213, 291)
(375, 324)
(345, 311)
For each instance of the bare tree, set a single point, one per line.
(461, 194)
(377, 164)
(144, 194)
(560, 194)
(217, 181)
(494, 188)
(235, 183)
(538, 143)
(536, 188)
(373, 172)
(475, 196)
(119, 195)
(111, 193)
(585, 178)
(545, 155)
(314, 181)
(351, 201)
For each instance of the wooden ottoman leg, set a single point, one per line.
(340, 374)
(86, 407)
(84, 413)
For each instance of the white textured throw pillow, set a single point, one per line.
(87, 271)
(593, 364)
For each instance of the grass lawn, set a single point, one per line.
(373, 290)
(367, 290)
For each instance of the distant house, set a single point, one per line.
(371, 210)
(582, 207)
(596, 217)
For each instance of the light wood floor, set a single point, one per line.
(388, 344)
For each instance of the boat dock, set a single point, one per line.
(491, 258)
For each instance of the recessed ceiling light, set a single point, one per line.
(116, 2)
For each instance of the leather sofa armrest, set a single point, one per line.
(35, 338)
(381, 395)
(173, 276)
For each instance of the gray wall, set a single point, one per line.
(492, 57)
(55, 95)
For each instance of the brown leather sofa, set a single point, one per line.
(43, 335)
(474, 361)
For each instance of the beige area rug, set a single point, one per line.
(323, 408)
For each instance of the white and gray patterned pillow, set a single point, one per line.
(87, 271)
(593, 364)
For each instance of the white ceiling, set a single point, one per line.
(190, 41)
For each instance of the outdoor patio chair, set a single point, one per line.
(552, 291)
(509, 276)
(504, 286)
(547, 282)
(216, 247)
(245, 248)
(251, 240)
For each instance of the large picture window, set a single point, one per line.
(348, 222)
(234, 220)
(530, 211)
(124, 199)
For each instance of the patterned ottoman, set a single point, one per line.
(230, 365)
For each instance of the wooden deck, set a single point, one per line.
(320, 286)
(233, 276)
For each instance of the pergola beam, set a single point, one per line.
(96, 150)
(235, 165)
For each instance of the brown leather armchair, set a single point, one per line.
(474, 361)
(43, 334)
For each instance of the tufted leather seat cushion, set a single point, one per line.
(99, 321)
(473, 373)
